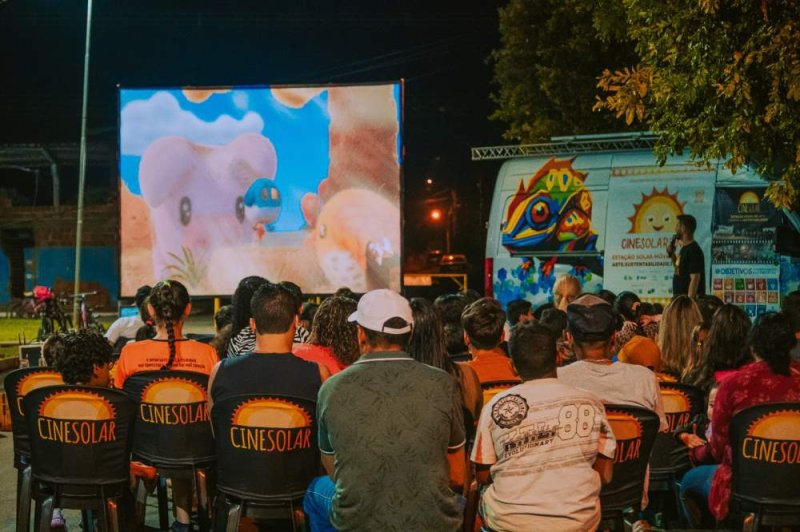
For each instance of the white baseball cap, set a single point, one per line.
(377, 307)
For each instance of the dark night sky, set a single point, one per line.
(441, 49)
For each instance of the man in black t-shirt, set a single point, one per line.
(690, 265)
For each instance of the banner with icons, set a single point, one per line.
(746, 269)
(642, 214)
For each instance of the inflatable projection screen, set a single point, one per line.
(293, 184)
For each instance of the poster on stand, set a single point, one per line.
(643, 208)
(746, 268)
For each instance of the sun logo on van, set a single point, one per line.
(657, 212)
(553, 212)
(273, 413)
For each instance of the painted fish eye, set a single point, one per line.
(263, 193)
(185, 210)
(240, 209)
(276, 196)
(540, 212)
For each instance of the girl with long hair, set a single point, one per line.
(428, 345)
(169, 306)
(675, 333)
(723, 350)
(243, 338)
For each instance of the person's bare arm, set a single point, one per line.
(694, 284)
(457, 460)
(605, 468)
(329, 463)
(483, 474)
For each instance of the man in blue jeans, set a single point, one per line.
(391, 433)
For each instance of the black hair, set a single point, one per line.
(709, 305)
(658, 309)
(517, 308)
(346, 292)
(791, 307)
(624, 303)
(141, 296)
(427, 343)
(223, 317)
(296, 292)
(241, 302)
(451, 306)
(539, 311)
(52, 348)
(533, 350)
(454, 339)
(79, 353)
(381, 339)
(274, 308)
(689, 222)
(647, 309)
(724, 348)
(607, 295)
(555, 320)
(308, 311)
(772, 338)
(169, 300)
(483, 321)
(145, 332)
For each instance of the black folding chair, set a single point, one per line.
(173, 434)
(80, 451)
(17, 384)
(635, 431)
(670, 458)
(267, 455)
(492, 388)
(765, 444)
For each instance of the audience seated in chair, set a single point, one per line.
(483, 323)
(544, 448)
(390, 432)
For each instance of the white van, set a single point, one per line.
(600, 207)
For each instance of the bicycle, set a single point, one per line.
(86, 318)
(52, 313)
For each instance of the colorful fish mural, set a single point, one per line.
(552, 213)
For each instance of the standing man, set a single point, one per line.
(391, 433)
(690, 264)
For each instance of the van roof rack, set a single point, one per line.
(643, 140)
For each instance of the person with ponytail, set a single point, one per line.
(773, 378)
(169, 306)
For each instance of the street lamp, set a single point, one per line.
(82, 166)
(436, 215)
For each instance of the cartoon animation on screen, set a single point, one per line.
(552, 213)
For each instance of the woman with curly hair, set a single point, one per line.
(333, 342)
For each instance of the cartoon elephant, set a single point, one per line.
(196, 195)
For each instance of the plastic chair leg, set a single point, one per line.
(140, 504)
(163, 504)
(24, 484)
(45, 515)
(234, 516)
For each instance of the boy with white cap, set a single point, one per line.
(391, 433)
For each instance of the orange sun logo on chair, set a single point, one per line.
(628, 433)
(77, 417)
(173, 391)
(273, 413)
(774, 438)
(657, 212)
(35, 380)
(270, 425)
(677, 407)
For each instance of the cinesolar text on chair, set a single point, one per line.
(765, 488)
(670, 458)
(172, 434)
(267, 455)
(17, 384)
(80, 452)
(635, 431)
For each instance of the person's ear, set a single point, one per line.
(466, 339)
(253, 324)
(151, 310)
(502, 337)
(187, 310)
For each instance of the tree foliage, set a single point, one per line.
(720, 78)
(546, 69)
